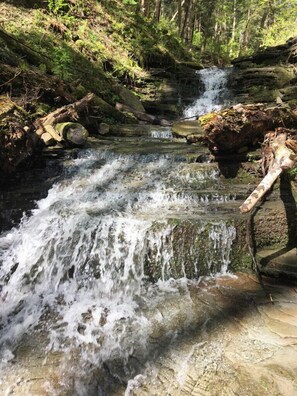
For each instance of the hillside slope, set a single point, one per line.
(55, 52)
(89, 44)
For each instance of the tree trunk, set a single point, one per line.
(179, 14)
(150, 119)
(66, 113)
(244, 35)
(157, 13)
(147, 8)
(234, 25)
(185, 24)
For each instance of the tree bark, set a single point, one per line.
(68, 112)
(185, 24)
(157, 13)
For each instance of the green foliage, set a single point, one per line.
(62, 62)
(293, 172)
(57, 6)
(130, 2)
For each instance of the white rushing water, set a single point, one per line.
(164, 133)
(81, 256)
(79, 267)
(214, 81)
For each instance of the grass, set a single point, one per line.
(88, 44)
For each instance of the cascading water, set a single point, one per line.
(214, 95)
(78, 269)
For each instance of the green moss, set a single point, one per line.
(206, 118)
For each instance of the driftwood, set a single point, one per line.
(68, 112)
(45, 126)
(236, 129)
(284, 157)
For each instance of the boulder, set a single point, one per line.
(130, 99)
(266, 76)
(260, 84)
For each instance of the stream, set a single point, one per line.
(95, 280)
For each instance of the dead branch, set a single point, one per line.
(284, 158)
(13, 78)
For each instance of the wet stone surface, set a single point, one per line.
(223, 336)
(247, 345)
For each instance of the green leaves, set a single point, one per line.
(57, 6)
(130, 2)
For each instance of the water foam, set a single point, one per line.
(80, 257)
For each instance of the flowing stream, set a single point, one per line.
(214, 95)
(88, 267)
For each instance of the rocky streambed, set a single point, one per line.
(127, 216)
(118, 278)
(225, 336)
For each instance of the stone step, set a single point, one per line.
(279, 262)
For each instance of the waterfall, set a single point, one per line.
(85, 253)
(90, 264)
(214, 94)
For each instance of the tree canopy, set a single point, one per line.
(224, 29)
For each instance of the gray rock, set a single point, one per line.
(104, 128)
(130, 99)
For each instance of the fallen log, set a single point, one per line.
(77, 135)
(141, 116)
(68, 112)
(283, 158)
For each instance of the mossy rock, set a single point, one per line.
(187, 128)
(130, 99)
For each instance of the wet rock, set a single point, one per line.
(164, 109)
(235, 351)
(219, 336)
(278, 262)
(187, 128)
(130, 130)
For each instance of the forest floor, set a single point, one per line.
(54, 55)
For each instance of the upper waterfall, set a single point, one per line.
(214, 82)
